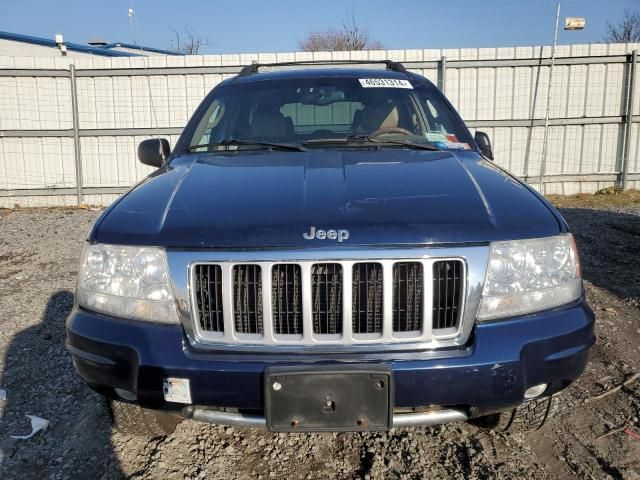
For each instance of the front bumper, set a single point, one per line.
(491, 373)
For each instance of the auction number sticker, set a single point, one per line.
(385, 83)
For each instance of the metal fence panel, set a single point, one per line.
(52, 154)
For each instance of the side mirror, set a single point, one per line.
(482, 139)
(154, 152)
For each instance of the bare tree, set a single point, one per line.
(191, 44)
(350, 36)
(626, 30)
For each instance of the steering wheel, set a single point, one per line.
(385, 130)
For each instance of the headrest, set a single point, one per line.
(269, 125)
(377, 116)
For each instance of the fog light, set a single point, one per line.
(535, 391)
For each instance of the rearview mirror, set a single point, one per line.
(482, 139)
(154, 152)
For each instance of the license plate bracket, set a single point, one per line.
(328, 398)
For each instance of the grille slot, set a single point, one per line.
(326, 298)
(447, 293)
(247, 299)
(286, 299)
(208, 279)
(408, 294)
(367, 298)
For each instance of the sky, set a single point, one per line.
(236, 26)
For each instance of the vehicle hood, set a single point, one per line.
(269, 199)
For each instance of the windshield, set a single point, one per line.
(325, 111)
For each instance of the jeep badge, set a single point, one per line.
(339, 235)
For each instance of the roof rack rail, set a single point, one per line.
(254, 67)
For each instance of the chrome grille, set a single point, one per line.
(367, 298)
(325, 301)
(447, 293)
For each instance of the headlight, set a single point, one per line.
(530, 275)
(128, 282)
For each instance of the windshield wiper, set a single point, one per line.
(234, 141)
(370, 139)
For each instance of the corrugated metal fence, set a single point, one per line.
(69, 127)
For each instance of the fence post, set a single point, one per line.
(442, 74)
(626, 156)
(76, 133)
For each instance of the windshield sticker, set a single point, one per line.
(458, 146)
(385, 83)
(447, 142)
(435, 137)
(452, 145)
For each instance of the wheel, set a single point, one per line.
(132, 419)
(528, 417)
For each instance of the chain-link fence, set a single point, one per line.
(69, 127)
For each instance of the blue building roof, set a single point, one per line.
(103, 50)
(139, 47)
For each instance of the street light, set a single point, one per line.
(570, 23)
(574, 23)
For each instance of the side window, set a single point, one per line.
(432, 109)
(306, 119)
(437, 123)
(206, 132)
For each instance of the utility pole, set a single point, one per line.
(545, 141)
(570, 23)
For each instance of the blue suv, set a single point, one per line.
(328, 250)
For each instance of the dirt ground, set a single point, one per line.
(39, 250)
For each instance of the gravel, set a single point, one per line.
(39, 250)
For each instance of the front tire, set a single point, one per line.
(528, 417)
(132, 419)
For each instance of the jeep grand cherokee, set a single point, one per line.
(328, 249)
